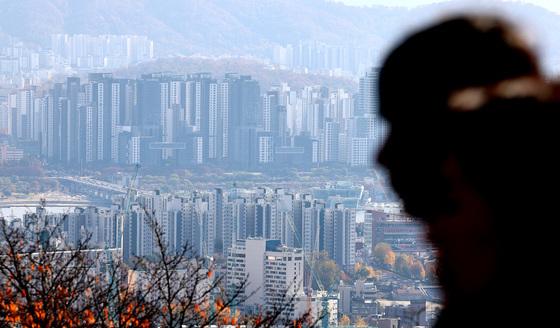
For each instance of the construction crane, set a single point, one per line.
(381, 183)
(126, 207)
(311, 265)
(120, 239)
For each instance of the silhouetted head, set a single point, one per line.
(466, 105)
(501, 173)
(415, 82)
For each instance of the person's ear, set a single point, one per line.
(455, 177)
(451, 170)
(462, 193)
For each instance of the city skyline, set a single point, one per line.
(275, 236)
(191, 120)
(215, 163)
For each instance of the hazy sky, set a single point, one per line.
(553, 5)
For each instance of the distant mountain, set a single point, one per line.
(215, 27)
(201, 26)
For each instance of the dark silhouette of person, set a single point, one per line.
(472, 129)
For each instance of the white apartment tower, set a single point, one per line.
(274, 272)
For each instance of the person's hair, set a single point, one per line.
(506, 150)
(506, 145)
(416, 83)
(419, 74)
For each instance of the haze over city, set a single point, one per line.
(211, 163)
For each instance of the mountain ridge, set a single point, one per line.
(240, 27)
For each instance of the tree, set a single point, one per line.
(360, 322)
(43, 286)
(409, 266)
(46, 283)
(360, 271)
(344, 321)
(183, 286)
(403, 264)
(431, 270)
(383, 254)
(417, 270)
(363, 271)
(326, 270)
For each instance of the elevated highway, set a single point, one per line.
(50, 203)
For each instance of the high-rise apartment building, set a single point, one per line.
(339, 235)
(195, 119)
(273, 271)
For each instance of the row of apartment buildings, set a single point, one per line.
(193, 120)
